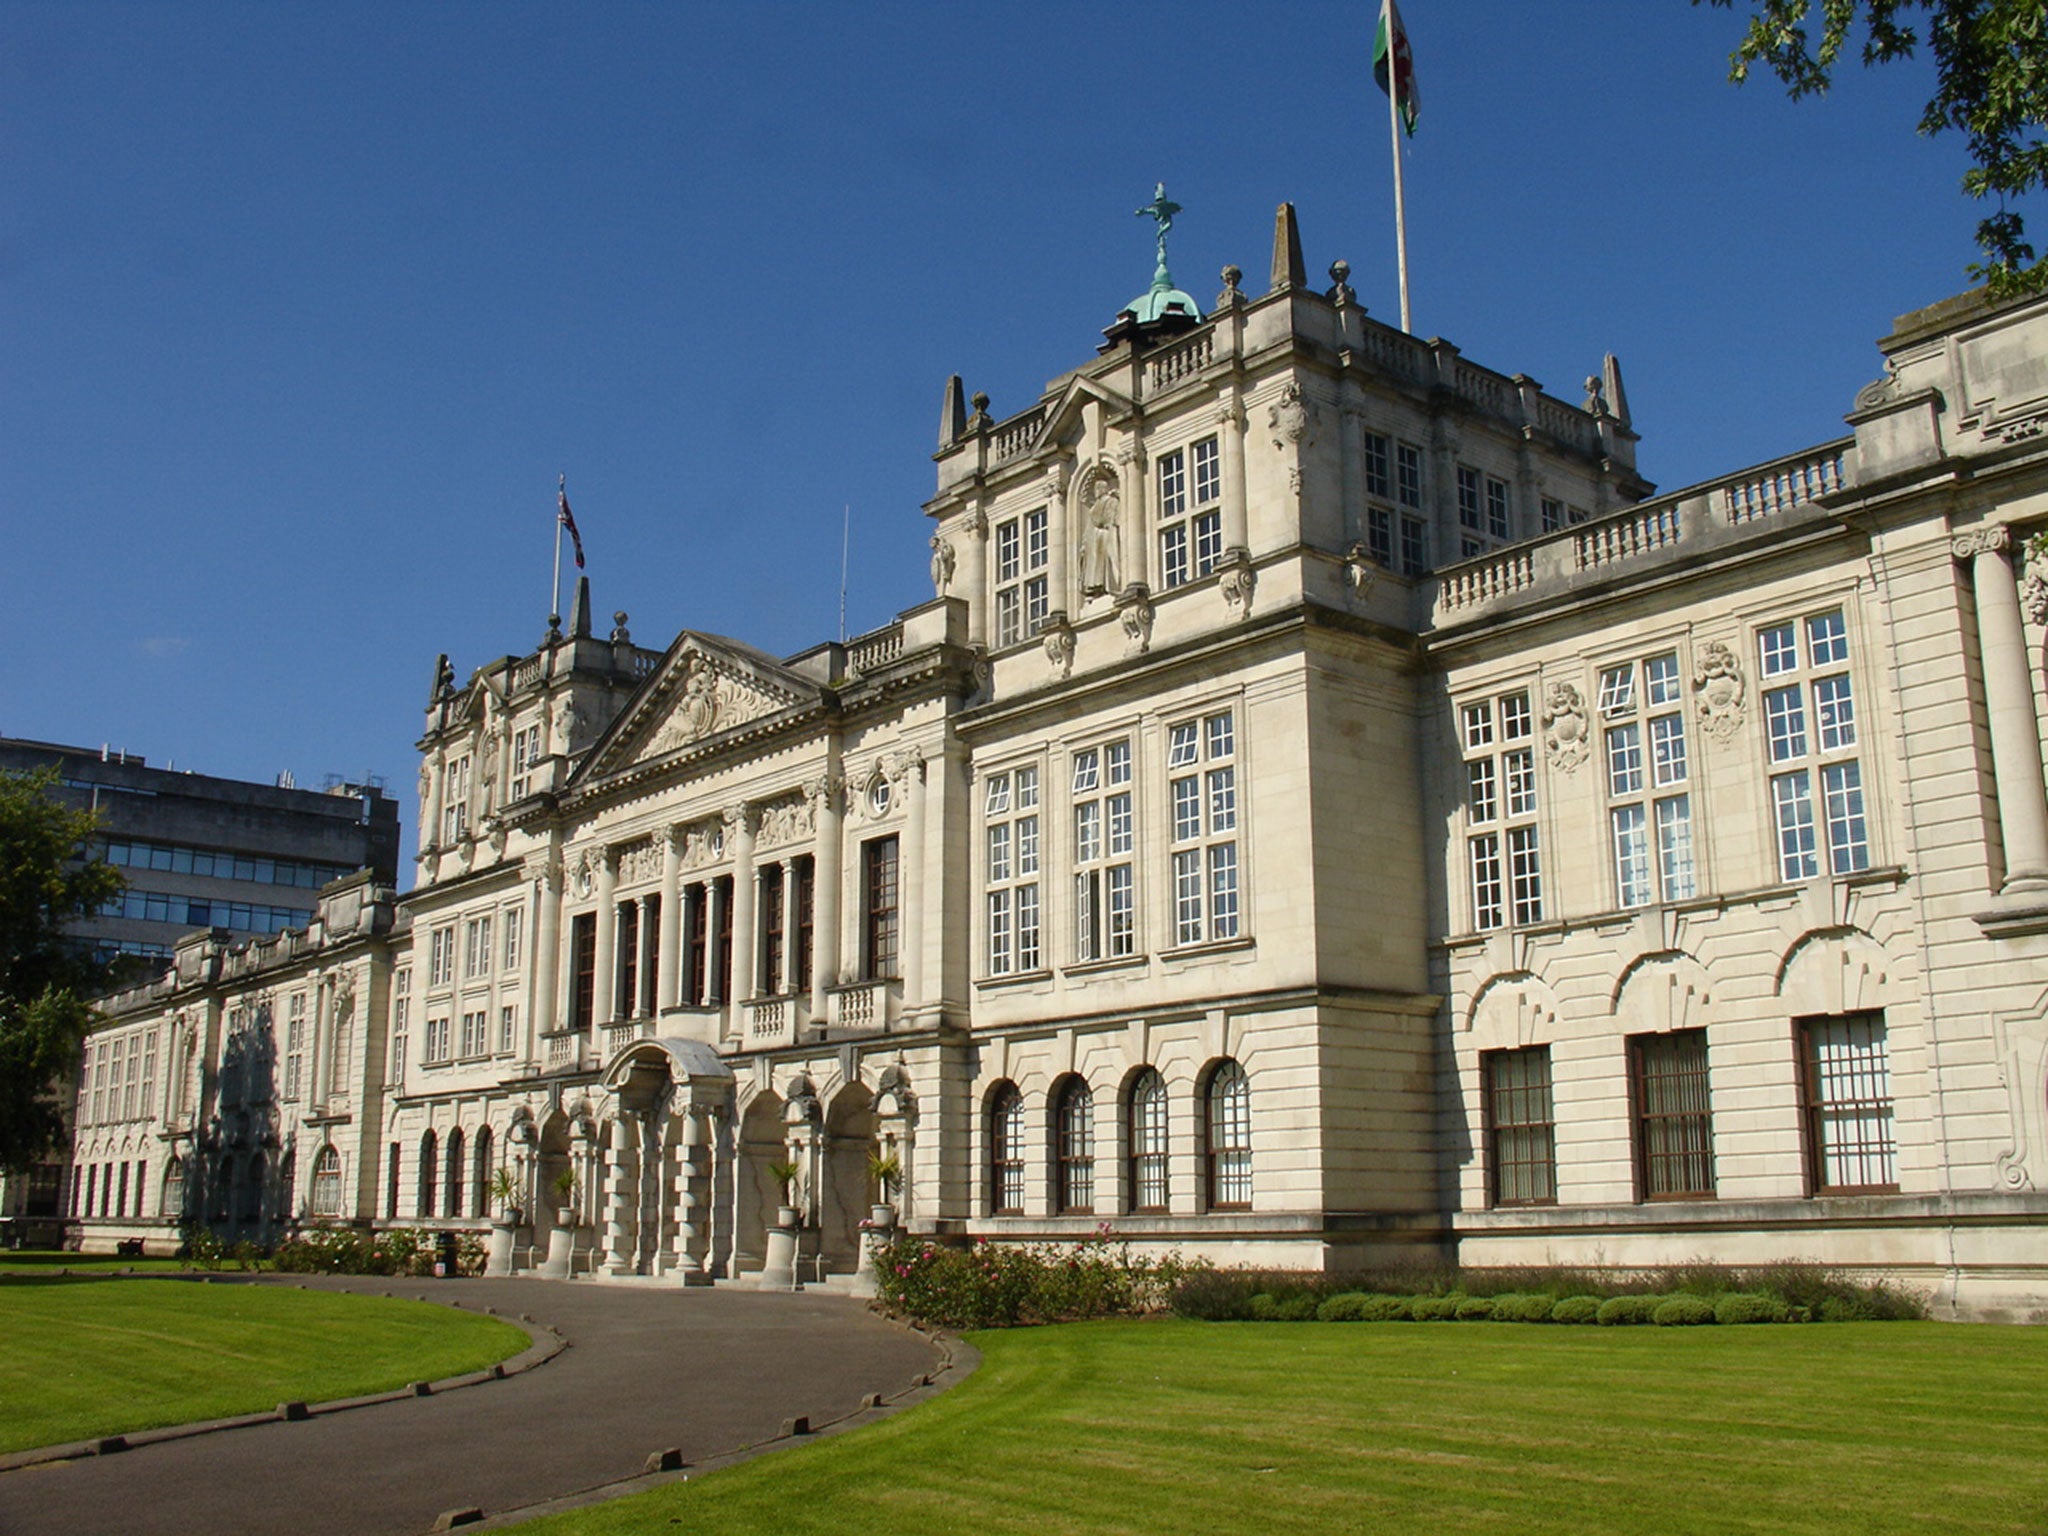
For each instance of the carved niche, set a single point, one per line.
(1565, 731)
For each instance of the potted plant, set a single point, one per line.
(886, 1169)
(785, 1176)
(504, 1192)
(565, 1195)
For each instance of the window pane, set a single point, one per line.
(1674, 1136)
(1519, 1127)
(1848, 847)
(1849, 1105)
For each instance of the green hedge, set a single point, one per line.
(1576, 1309)
(1683, 1312)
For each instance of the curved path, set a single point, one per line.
(708, 1372)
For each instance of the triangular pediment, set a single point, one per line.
(1063, 418)
(704, 687)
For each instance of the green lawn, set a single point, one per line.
(38, 1261)
(1183, 1428)
(88, 1357)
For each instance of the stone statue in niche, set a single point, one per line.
(942, 565)
(1564, 726)
(426, 788)
(487, 770)
(1718, 683)
(569, 723)
(1101, 533)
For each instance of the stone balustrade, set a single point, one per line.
(1675, 526)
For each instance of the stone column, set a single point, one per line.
(605, 1004)
(912, 874)
(1059, 534)
(317, 1029)
(1351, 454)
(671, 919)
(788, 981)
(621, 1198)
(739, 835)
(714, 920)
(646, 981)
(2009, 701)
(692, 1203)
(980, 575)
(1141, 560)
(547, 967)
(1230, 430)
(827, 795)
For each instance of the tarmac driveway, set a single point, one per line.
(707, 1371)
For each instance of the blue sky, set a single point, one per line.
(304, 307)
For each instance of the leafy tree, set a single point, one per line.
(45, 975)
(1990, 83)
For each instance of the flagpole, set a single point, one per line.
(1394, 128)
(555, 608)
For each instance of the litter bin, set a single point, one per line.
(444, 1255)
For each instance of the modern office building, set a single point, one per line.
(235, 859)
(1332, 808)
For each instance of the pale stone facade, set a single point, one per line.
(1329, 809)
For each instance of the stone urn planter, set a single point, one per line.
(561, 1245)
(503, 1232)
(882, 1217)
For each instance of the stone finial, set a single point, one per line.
(1596, 396)
(1289, 271)
(953, 414)
(1617, 397)
(620, 635)
(579, 611)
(1232, 296)
(1340, 283)
(444, 679)
(980, 418)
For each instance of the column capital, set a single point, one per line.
(739, 819)
(825, 791)
(1985, 539)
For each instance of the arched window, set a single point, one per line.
(1227, 1132)
(174, 1189)
(452, 1174)
(480, 1176)
(327, 1183)
(1006, 1151)
(1148, 1142)
(423, 1204)
(1073, 1140)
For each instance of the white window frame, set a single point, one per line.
(1190, 512)
(1503, 845)
(1205, 820)
(1811, 746)
(1100, 782)
(1013, 855)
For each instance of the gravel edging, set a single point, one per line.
(545, 1344)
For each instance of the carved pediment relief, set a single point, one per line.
(700, 691)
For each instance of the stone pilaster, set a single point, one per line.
(2009, 701)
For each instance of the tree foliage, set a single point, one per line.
(45, 976)
(1991, 85)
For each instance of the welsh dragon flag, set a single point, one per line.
(1391, 56)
